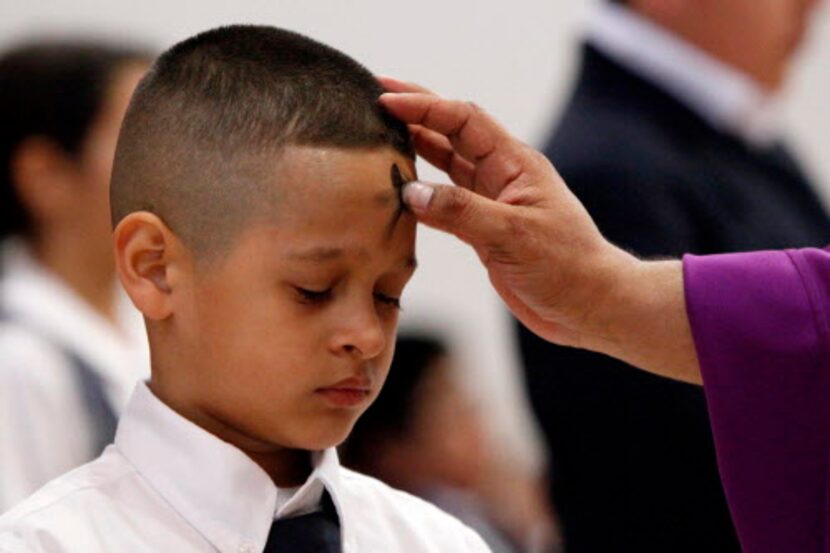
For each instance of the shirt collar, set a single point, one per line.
(218, 489)
(726, 98)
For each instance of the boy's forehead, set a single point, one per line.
(343, 194)
(347, 176)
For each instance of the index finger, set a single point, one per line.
(498, 157)
(391, 84)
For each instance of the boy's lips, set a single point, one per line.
(350, 392)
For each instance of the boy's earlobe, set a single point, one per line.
(143, 252)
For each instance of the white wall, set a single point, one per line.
(513, 58)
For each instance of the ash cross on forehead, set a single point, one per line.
(398, 183)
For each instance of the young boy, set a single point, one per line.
(256, 193)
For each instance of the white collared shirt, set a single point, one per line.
(168, 485)
(44, 423)
(726, 98)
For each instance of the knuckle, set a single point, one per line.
(474, 107)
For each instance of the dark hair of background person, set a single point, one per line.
(54, 90)
(392, 413)
(206, 122)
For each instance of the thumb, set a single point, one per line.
(477, 220)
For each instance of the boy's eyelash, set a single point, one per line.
(319, 296)
(313, 296)
(389, 300)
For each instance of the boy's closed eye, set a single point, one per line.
(313, 296)
(318, 292)
(318, 297)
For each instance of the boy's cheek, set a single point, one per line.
(382, 368)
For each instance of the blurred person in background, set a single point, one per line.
(671, 141)
(71, 345)
(425, 436)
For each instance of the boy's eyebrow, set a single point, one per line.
(323, 253)
(320, 253)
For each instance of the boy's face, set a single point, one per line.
(288, 337)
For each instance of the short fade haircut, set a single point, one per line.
(213, 113)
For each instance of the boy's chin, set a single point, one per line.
(320, 439)
(318, 444)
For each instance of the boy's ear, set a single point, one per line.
(148, 258)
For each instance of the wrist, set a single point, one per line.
(601, 297)
(643, 319)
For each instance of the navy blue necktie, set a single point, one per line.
(312, 533)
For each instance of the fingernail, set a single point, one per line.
(418, 195)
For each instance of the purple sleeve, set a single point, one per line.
(760, 326)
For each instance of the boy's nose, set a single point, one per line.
(362, 335)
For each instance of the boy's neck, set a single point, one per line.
(286, 467)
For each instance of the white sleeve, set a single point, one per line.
(11, 544)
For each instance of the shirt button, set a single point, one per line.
(247, 547)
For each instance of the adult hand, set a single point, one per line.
(543, 253)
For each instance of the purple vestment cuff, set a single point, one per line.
(759, 323)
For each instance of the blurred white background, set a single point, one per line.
(516, 59)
